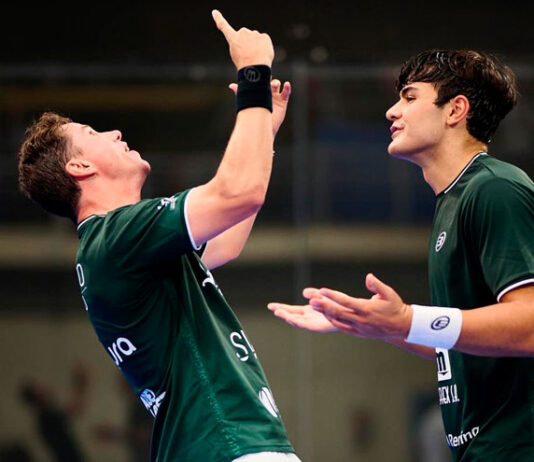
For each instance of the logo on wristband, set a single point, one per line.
(440, 323)
(252, 74)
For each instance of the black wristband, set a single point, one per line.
(254, 87)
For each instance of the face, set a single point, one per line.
(106, 152)
(418, 125)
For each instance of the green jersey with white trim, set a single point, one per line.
(482, 246)
(164, 321)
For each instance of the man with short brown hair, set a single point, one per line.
(143, 267)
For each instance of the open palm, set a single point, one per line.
(303, 316)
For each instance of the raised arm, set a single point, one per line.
(237, 190)
(229, 244)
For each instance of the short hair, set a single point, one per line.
(489, 85)
(41, 166)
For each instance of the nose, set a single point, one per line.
(393, 113)
(116, 135)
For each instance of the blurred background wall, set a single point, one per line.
(338, 206)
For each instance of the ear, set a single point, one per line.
(458, 109)
(79, 168)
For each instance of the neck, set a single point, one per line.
(95, 200)
(442, 166)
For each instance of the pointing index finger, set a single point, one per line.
(222, 24)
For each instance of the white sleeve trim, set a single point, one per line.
(201, 254)
(514, 286)
(195, 246)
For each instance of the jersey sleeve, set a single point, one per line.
(149, 232)
(501, 225)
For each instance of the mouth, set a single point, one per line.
(394, 130)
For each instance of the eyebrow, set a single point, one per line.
(407, 89)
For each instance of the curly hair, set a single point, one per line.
(41, 166)
(489, 85)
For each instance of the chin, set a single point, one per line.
(399, 153)
(145, 166)
(394, 150)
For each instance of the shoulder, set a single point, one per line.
(498, 193)
(498, 181)
(144, 211)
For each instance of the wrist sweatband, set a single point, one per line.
(435, 326)
(254, 87)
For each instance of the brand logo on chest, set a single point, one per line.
(441, 241)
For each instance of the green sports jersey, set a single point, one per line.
(482, 246)
(164, 321)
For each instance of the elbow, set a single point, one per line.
(256, 198)
(249, 200)
(238, 199)
(244, 191)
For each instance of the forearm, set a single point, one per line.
(237, 190)
(419, 350)
(245, 169)
(504, 329)
(229, 244)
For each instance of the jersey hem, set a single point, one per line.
(255, 450)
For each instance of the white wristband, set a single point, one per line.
(435, 326)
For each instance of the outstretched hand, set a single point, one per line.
(247, 47)
(382, 316)
(280, 97)
(303, 316)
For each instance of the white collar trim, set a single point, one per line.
(87, 219)
(463, 171)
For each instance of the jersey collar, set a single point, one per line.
(85, 220)
(480, 154)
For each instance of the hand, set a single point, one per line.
(303, 316)
(383, 316)
(280, 101)
(247, 47)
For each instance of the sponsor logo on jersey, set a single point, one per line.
(121, 347)
(448, 395)
(167, 202)
(209, 279)
(462, 438)
(441, 241)
(266, 398)
(151, 401)
(244, 348)
(444, 364)
(81, 282)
